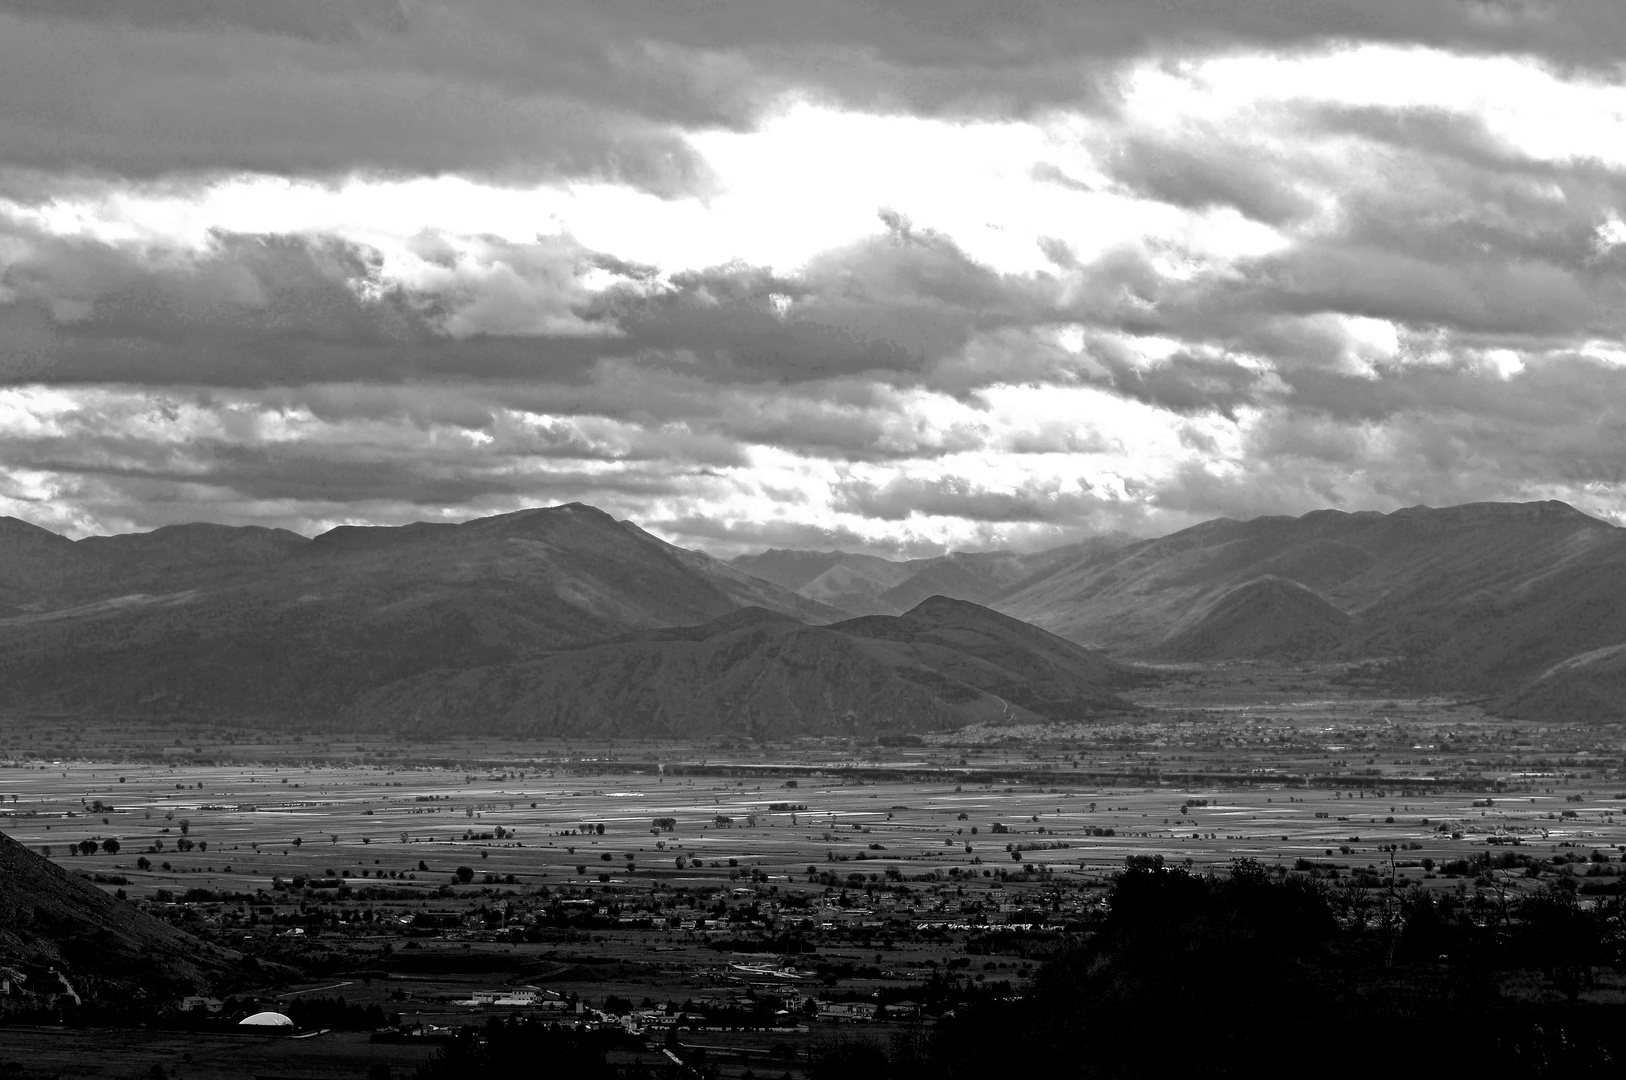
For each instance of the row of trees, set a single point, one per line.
(86, 847)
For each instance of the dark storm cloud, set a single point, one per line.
(896, 304)
(1183, 383)
(150, 100)
(269, 310)
(115, 451)
(247, 310)
(1200, 174)
(579, 88)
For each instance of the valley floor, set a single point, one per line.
(670, 889)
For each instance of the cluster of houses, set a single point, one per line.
(788, 1007)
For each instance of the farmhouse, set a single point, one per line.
(851, 1012)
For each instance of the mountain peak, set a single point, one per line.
(12, 528)
(1546, 510)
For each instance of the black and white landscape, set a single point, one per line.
(782, 541)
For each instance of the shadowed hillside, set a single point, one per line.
(1590, 686)
(758, 673)
(1269, 616)
(38, 568)
(51, 921)
(1479, 596)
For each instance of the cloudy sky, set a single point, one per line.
(891, 276)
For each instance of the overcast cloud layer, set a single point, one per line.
(887, 277)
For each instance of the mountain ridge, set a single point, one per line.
(248, 623)
(300, 634)
(763, 674)
(1482, 596)
(870, 585)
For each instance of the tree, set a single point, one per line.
(143, 863)
(87, 847)
(465, 874)
(111, 846)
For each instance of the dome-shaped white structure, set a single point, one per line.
(266, 1020)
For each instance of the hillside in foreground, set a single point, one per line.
(55, 927)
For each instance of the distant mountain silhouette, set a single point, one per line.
(255, 623)
(1481, 596)
(870, 585)
(762, 674)
(51, 920)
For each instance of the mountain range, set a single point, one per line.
(563, 619)
(488, 623)
(869, 585)
(754, 672)
(1509, 601)
(243, 622)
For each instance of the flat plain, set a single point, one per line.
(710, 880)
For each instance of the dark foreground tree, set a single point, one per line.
(1254, 975)
(518, 1047)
